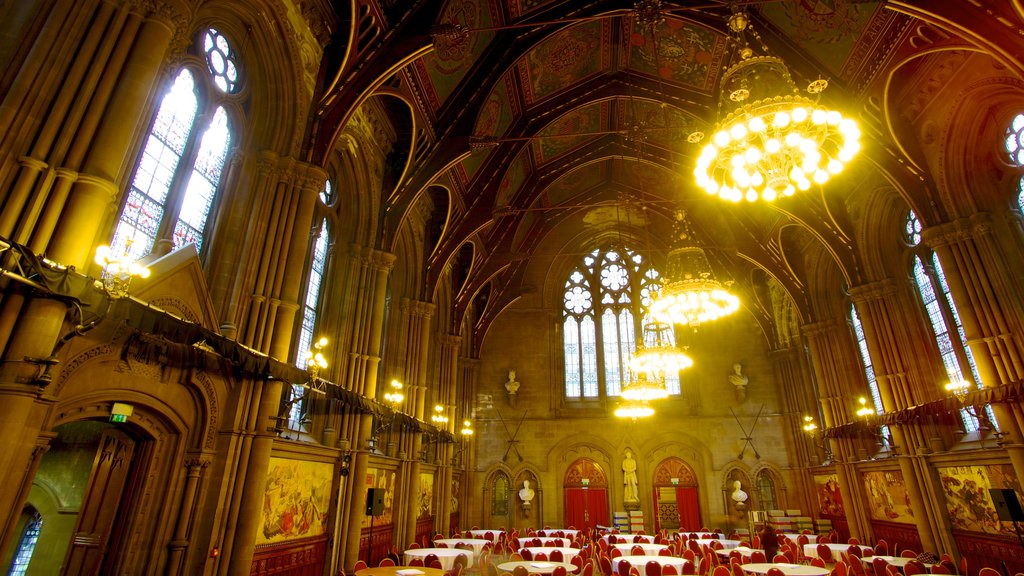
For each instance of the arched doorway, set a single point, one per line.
(498, 496)
(676, 500)
(586, 495)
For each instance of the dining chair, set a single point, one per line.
(540, 557)
(416, 562)
(556, 556)
(881, 548)
(914, 567)
(947, 565)
(825, 553)
(559, 571)
(605, 564)
(781, 559)
(520, 571)
(636, 551)
(615, 553)
(986, 571)
(386, 562)
(908, 553)
(359, 565)
(515, 557)
(431, 558)
(840, 569)
(665, 552)
(689, 555)
(526, 553)
(652, 568)
(940, 569)
(639, 538)
(853, 541)
(669, 570)
(721, 571)
(775, 572)
(758, 557)
(963, 566)
(878, 565)
(817, 562)
(588, 569)
(689, 569)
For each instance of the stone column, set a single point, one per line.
(416, 318)
(178, 548)
(447, 384)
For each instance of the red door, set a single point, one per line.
(586, 507)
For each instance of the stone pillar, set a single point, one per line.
(178, 548)
(370, 269)
(447, 385)
(416, 318)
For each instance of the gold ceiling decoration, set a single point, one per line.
(772, 140)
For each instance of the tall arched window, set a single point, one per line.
(604, 308)
(1015, 148)
(869, 369)
(943, 316)
(310, 307)
(27, 542)
(178, 174)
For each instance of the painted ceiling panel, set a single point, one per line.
(686, 53)
(454, 55)
(566, 58)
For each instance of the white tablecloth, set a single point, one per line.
(544, 541)
(445, 555)
(476, 543)
(787, 569)
(743, 550)
(536, 567)
(811, 550)
(649, 549)
(725, 543)
(554, 532)
(812, 538)
(897, 561)
(641, 561)
(700, 534)
(567, 553)
(495, 534)
(622, 538)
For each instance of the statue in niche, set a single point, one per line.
(526, 495)
(738, 379)
(631, 492)
(512, 387)
(739, 497)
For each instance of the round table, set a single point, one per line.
(536, 567)
(812, 538)
(641, 561)
(625, 538)
(724, 543)
(811, 550)
(477, 543)
(897, 561)
(399, 571)
(787, 569)
(544, 541)
(445, 555)
(567, 553)
(649, 549)
(558, 532)
(700, 534)
(743, 550)
(495, 534)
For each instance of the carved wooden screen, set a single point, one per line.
(675, 496)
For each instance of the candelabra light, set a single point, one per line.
(634, 410)
(118, 272)
(864, 411)
(394, 397)
(960, 390)
(467, 428)
(438, 418)
(811, 428)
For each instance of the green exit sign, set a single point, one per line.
(118, 417)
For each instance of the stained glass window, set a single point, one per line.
(604, 303)
(310, 306)
(1015, 140)
(869, 369)
(178, 174)
(27, 543)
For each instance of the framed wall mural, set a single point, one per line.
(887, 497)
(426, 500)
(377, 478)
(830, 503)
(296, 500)
(967, 500)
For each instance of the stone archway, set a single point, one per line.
(676, 499)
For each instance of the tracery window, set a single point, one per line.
(27, 543)
(1014, 142)
(604, 308)
(310, 307)
(178, 174)
(766, 491)
(942, 316)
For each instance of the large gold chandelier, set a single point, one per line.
(691, 295)
(652, 363)
(773, 141)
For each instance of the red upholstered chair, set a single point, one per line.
(440, 545)
(689, 569)
(540, 556)
(689, 555)
(665, 552)
(559, 571)
(737, 569)
(556, 556)
(669, 570)
(818, 562)
(716, 545)
(840, 569)
(781, 559)
(878, 565)
(416, 562)
(913, 568)
(854, 551)
(526, 553)
(431, 558)
(825, 553)
(940, 569)
(947, 564)
(623, 567)
(520, 571)
(775, 572)
(755, 542)
(908, 553)
(588, 569)
(637, 551)
(613, 539)
(882, 548)
(652, 568)
(853, 540)
(758, 557)
(359, 565)
(639, 538)
(386, 562)
(721, 571)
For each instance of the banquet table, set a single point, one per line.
(545, 541)
(400, 571)
(700, 534)
(649, 549)
(558, 532)
(641, 561)
(811, 550)
(743, 550)
(567, 553)
(725, 543)
(445, 555)
(812, 538)
(897, 561)
(787, 569)
(495, 534)
(477, 543)
(536, 567)
(624, 538)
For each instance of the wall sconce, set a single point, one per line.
(811, 428)
(315, 362)
(467, 428)
(117, 272)
(394, 397)
(467, 433)
(864, 411)
(438, 418)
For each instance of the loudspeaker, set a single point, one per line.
(1007, 506)
(374, 501)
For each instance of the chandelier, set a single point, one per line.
(774, 141)
(634, 410)
(652, 362)
(691, 294)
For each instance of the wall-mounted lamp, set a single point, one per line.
(864, 411)
(811, 428)
(394, 397)
(118, 272)
(467, 428)
(438, 418)
(960, 390)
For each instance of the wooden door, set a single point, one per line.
(101, 504)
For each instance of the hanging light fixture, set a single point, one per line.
(771, 141)
(691, 294)
(634, 410)
(652, 362)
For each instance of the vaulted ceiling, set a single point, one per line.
(547, 124)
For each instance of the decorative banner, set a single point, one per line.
(296, 500)
(887, 497)
(426, 503)
(376, 478)
(967, 500)
(829, 501)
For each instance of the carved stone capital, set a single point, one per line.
(957, 231)
(873, 291)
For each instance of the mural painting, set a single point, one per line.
(426, 499)
(887, 497)
(296, 500)
(829, 501)
(376, 478)
(967, 499)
